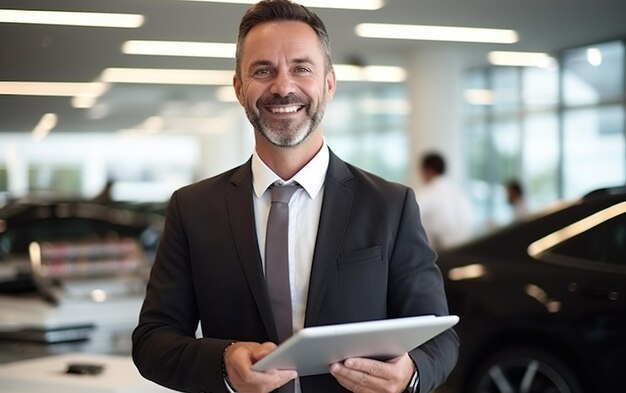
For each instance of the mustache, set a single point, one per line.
(275, 100)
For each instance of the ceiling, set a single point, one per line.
(80, 54)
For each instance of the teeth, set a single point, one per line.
(287, 109)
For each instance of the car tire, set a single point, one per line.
(524, 370)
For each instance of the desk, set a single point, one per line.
(49, 375)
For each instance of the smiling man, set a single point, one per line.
(351, 247)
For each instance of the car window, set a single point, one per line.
(605, 243)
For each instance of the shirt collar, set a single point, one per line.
(310, 177)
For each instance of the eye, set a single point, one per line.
(302, 69)
(262, 71)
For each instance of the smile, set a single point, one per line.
(285, 109)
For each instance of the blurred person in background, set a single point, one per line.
(358, 251)
(515, 198)
(445, 210)
(105, 196)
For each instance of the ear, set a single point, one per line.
(238, 85)
(331, 84)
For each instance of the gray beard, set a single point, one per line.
(283, 135)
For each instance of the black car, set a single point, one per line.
(543, 302)
(75, 238)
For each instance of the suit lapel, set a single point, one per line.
(242, 223)
(333, 224)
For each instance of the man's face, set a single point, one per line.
(282, 81)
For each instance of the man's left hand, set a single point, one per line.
(368, 375)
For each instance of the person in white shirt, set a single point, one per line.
(444, 208)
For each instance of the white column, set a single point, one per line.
(435, 82)
(17, 169)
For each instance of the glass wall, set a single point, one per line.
(559, 130)
(366, 126)
(593, 118)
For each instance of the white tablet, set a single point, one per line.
(311, 350)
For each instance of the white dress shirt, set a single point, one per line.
(304, 216)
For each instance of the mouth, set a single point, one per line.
(284, 109)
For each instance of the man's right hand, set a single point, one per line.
(238, 360)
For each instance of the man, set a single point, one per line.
(356, 249)
(445, 210)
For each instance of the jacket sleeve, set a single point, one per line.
(416, 288)
(165, 349)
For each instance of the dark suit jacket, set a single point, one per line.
(371, 261)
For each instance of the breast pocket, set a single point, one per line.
(359, 257)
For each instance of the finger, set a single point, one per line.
(372, 367)
(262, 350)
(264, 381)
(239, 359)
(356, 380)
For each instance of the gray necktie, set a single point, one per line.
(277, 259)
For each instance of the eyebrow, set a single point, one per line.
(299, 60)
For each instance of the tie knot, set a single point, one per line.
(283, 193)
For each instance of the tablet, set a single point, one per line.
(311, 350)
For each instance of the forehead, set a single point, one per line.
(277, 38)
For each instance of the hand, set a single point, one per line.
(239, 359)
(368, 375)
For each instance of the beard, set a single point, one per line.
(286, 132)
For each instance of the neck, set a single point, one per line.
(287, 161)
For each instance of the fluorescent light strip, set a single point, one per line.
(47, 123)
(85, 92)
(167, 76)
(179, 48)
(351, 73)
(95, 19)
(520, 59)
(436, 33)
(59, 89)
(342, 4)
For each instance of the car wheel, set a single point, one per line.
(524, 371)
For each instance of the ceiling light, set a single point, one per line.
(352, 73)
(521, 59)
(594, 57)
(60, 89)
(96, 19)
(436, 33)
(88, 98)
(343, 4)
(167, 76)
(179, 48)
(47, 123)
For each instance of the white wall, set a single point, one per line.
(435, 80)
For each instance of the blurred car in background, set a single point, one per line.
(69, 222)
(543, 302)
(73, 272)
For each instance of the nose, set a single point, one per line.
(282, 84)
